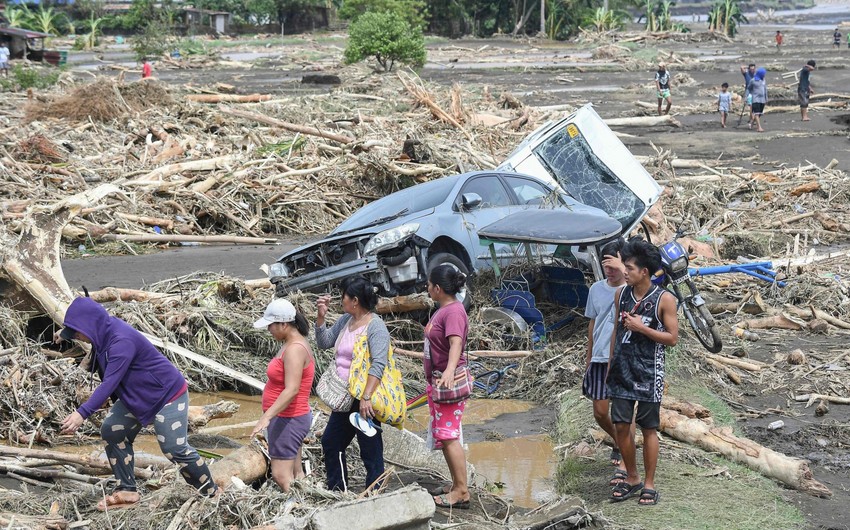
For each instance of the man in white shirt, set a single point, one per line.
(4, 59)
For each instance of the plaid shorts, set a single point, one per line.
(593, 385)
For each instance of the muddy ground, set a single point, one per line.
(531, 71)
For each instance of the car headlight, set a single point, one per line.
(278, 270)
(678, 264)
(388, 238)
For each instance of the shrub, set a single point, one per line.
(24, 77)
(156, 39)
(388, 38)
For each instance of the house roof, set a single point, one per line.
(24, 33)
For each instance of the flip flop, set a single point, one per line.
(625, 491)
(650, 495)
(444, 503)
(618, 477)
(362, 424)
(111, 502)
(615, 455)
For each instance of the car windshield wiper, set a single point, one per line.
(376, 222)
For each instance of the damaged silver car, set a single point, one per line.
(576, 164)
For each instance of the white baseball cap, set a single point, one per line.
(279, 310)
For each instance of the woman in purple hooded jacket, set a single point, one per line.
(145, 388)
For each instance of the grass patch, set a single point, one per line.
(646, 54)
(699, 491)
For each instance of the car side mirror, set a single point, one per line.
(470, 201)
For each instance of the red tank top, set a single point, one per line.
(300, 405)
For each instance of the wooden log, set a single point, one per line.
(733, 376)
(181, 238)
(751, 366)
(793, 472)
(686, 408)
(167, 224)
(200, 415)
(643, 121)
(79, 460)
(404, 304)
(248, 463)
(811, 398)
(806, 187)
(792, 219)
(228, 98)
(773, 322)
(32, 522)
(114, 294)
(303, 129)
(817, 313)
(160, 173)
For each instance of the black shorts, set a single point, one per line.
(648, 414)
(758, 108)
(803, 99)
(593, 385)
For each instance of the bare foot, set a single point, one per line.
(806, 119)
(119, 499)
(761, 130)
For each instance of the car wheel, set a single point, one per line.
(444, 258)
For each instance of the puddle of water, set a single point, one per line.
(524, 466)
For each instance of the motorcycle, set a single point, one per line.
(677, 280)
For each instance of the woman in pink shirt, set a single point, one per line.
(445, 340)
(286, 407)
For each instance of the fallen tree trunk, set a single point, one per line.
(59, 456)
(752, 366)
(200, 415)
(33, 522)
(114, 294)
(643, 121)
(180, 238)
(303, 129)
(248, 463)
(811, 398)
(775, 321)
(228, 98)
(793, 472)
(404, 304)
(161, 173)
(817, 313)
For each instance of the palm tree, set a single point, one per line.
(46, 20)
(17, 17)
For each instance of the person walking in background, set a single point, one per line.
(600, 310)
(445, 341)
(286, 407)
(758, 89)
(804, 88)
(145, 387)
(748, 72)
(358, 303)
(662, 87)
(779, 39)
(4, 59)
(646, 324)
(147, 70)
(836, 38)
(724, 103)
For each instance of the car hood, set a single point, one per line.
(359, 233)
(582, 156)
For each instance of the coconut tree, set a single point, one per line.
(725, 16)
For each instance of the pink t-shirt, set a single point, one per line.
(448, 321)
(345, 350)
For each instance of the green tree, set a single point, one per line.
(725, 16)
(387, 37)
(413, 11)
(18, 16)
(47, 20)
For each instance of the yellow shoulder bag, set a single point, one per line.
(388, 399)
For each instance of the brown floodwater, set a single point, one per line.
(520, 467)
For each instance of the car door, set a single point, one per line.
(497, 201)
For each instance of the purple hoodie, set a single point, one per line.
(130, 367)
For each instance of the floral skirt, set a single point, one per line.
(445, 419)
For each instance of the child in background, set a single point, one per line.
(778, 38)
(724, 103)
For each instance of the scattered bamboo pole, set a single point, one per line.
(181, 238)
(811, 398)
(303, 129)
(228, 98)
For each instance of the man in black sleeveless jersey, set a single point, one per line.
(647, 324)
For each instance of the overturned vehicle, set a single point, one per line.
(576, 164)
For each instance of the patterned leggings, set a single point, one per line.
(171, 425)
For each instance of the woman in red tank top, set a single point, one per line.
(286, 409)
